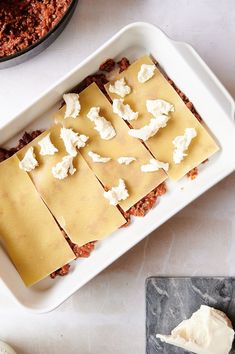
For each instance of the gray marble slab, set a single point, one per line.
(171, 300)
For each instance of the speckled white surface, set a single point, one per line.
(107, 315)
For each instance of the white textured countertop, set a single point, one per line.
(107, 315)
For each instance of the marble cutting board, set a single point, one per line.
(171, 300)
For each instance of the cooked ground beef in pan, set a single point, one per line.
(24, 22)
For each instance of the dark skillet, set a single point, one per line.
(40, 45)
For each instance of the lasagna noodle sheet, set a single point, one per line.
(139, 184)
(28, 231)
(201, 147)
(77, 202)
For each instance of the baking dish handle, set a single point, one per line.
(200, 67)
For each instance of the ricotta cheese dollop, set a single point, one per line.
(29, 162)
(208, 331)
(146, 72)
(149, 130)
(159, 107)
(155, 165)
(72, 140)
(47, 148)
(102, 125)
(97, 158)
(73, 106)
(181, 144)
(125, 160)
(124, 111)
(120, 88)
(116, 194)
(63, 168)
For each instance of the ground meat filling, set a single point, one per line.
(79, 251)
(108, 65)
(123, 64)
(99, 79)
(193, 173)
(61, 272)
(142, 207)
(24, 22)
(26, 138)
(4, 154)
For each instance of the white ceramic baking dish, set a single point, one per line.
(212, 101)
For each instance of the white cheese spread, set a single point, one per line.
(102, 125)
(124, 111)
(47, 148)
(73, 106)
(155, 165)
(181, 144)
(116, 194)
(146, 72)
(72, 141)
(29, 162)
(120, 88)
(208, 331)
(159, 107)
(125, 160)
(97, 158)
(63, 168)
(149, 130)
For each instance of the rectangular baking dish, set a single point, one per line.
(216, 106)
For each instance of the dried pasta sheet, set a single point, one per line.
(139, 184)
(202, 147)
(77, 202)
(28, 231)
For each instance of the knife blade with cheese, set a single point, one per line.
(208, 331)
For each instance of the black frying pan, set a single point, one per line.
(42, 44)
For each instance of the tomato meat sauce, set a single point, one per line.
(25, 22)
